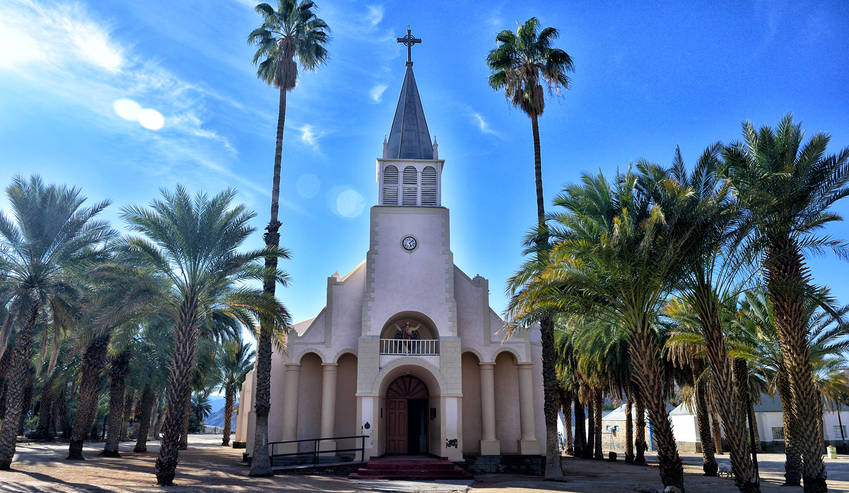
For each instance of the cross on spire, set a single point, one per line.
(409, 41)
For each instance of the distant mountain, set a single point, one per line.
(217, 416)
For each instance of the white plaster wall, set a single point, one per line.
(275, 414)
(471, 404)
(309, 400)
(766, 421)
(400, 281)
(685, 428)
(345, 421)
(507, 418)
(539, 392)
(830, 425)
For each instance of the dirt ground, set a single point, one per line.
(206, 466)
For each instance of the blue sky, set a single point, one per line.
(647, 77)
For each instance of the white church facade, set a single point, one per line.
(407, 350)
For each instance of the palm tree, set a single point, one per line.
(234, 361)
(618, 252)
(710, 279)
(149, 369)
(51, 236)
(520, 64)
(201, 407)
(288, 36)
(193, 242)
(787, 190)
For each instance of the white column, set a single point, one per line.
(290, 405)
(328, 405)
(489, 445)
(528, 444)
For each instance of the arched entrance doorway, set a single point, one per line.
(406, 420)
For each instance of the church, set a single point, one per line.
(406, 350)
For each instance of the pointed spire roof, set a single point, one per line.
(409, 137)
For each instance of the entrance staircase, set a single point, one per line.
(411, 468)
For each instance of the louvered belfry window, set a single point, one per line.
(390, 185)
(410, 186)
(429, 186)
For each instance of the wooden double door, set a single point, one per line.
(407, 416)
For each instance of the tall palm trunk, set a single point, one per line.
(146, 405)
(228, 414)
(129, 402)
(187, 416)
(179, 381)
(590, 446)
(94, 360)
(64, 415)
(260, 461)
(786, 279)
(744, 395)
(649, 377)
(728, 403)
(709, 464)
(160, 416)
(598, 455)
(715, 427)
(566, 409)
(580, 426)
(45, 412)
(629, 430)
(18, 372)
(117, 377)
(640, 440)
(792, 459)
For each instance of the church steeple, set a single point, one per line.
(409, 137)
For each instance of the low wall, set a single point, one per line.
(515, 464)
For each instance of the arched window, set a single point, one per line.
(429, 186)
(411, 181)
(390, 185)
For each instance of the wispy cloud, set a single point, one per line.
(64, 51)
(310, 136)
(483, 125)
(374, 14)
(376, 92)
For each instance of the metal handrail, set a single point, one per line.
(315, 451)
(410, 347)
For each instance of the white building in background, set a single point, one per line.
(407, 349)
(769, 418)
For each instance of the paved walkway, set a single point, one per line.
(206, 466)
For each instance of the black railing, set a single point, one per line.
(316, 453)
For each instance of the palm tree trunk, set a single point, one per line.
(179, 381)
(187, 416)
(129, 412)
(159, 418)
(709, 464)
(566, 408)
(228, 415)
(715, 427)
(146, 405)
(598, 455)
(792, 459)
(649, 377)
(580, 426)
(45, 414)
(29, 389)
(731, 408)
(18, 372)
(629, 430)
(553, 464)
(94, 360)
(741, 384)
(260, 461)
(589, 449)
(787, 276)
(640, 441)
(117, 376)
(64, 415)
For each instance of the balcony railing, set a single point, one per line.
(410, 347)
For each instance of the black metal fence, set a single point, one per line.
(274, 448)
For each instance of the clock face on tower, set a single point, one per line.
(409, 243)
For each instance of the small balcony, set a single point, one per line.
(409, 347)
(426, 350)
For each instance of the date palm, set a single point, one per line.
(713, 265)
(194, 243)
(234, 361)
(520, 65)
(787, 190)
(51, 237)
(618, 253)
(289, 36)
